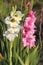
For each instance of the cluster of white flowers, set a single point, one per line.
(13, 24)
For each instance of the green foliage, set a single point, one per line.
(34, 57)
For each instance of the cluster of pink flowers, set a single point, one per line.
(28, 38)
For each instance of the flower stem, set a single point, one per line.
(27, 58)
(11, 53)
(40, 31)
(32, 3)
(21, 5)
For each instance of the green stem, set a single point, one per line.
(21, 5)
(32, 3)
(27, 58)
(11, 53)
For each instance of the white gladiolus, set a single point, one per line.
(13, 25)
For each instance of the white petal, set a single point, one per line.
(7, 20)
(14, 30)
(13, 24)
(17, 15)
(12, 13)
(10, 36)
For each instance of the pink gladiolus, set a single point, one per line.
(28, 38)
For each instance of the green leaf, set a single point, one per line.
(18, 57)
(34, 57)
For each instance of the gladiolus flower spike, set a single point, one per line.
(28, 37)
(13, 24)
